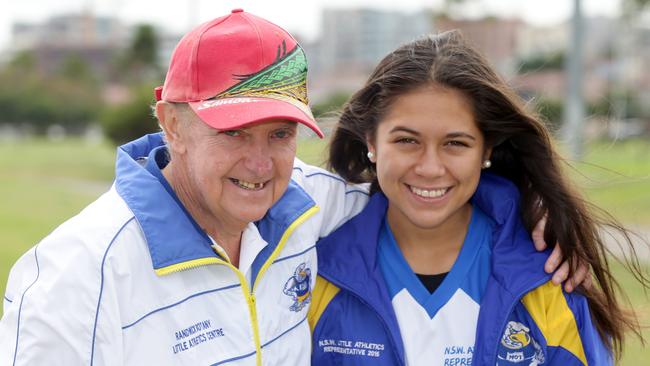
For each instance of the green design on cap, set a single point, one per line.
(286, 78)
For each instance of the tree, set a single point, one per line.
(29, 97)
(23, 61)
(551, 61)
(128, 121)
(332, 103)
(551, 111)
(74, 67)
(139, 64)
(138, 68)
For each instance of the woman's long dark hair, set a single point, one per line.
(522, 151)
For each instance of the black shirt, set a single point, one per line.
(432, 282)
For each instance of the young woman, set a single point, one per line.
(438, 269)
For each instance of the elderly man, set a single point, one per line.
(202, 252)
(185, 259)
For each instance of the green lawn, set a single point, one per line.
(635, 353)
(43, 183)
(617, 178)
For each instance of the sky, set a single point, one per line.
(297, 16)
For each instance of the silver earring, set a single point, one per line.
(370, 155)
(487, 163)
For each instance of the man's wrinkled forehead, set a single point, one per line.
(270, 124)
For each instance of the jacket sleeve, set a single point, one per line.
(338, 201)
(58, 310)
(566, 327)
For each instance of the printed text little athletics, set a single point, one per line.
(458, 356)
(354, 348)
(194, 335)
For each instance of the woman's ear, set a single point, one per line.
(487, 163)
(372, 152)
(171, 124)
(487, 154)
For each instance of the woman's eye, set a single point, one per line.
(457, 143)
(406, 140)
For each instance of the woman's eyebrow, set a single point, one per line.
(461, 134)
(404, 129)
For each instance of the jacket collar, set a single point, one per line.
(516, 264)
(517, 267)
(348, 259)
(174, 242)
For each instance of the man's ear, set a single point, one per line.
(170, 121)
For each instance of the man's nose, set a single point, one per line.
(259, 159)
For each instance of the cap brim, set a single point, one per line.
(230, 113)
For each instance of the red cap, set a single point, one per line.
(239, 69)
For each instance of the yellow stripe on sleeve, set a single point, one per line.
(549, 309)
(324, 291)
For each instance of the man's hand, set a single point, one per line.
(554, 262)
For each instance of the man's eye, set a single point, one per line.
(232, 133)
(282, 134)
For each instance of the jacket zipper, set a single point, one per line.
(249, 294)
(252, 310)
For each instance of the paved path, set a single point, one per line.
(641, 243)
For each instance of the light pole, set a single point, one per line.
(574, 108)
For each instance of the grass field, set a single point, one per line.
(617, 178)
(43, 183)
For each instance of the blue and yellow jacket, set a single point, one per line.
(523, 319)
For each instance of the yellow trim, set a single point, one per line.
(550, 311)
(248, 294)
(252, 310)
(324, 291)
(187, 265)
(221, 252)
(283, 240)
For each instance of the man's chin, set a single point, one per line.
(253, 214)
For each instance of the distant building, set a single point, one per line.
(98, 40)
(70, 30)
(353, 41)
(613, 58)
(538, 41)
(361, 37)
(94, 39)
(498, 39)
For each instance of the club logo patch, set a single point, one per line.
(518, 347)
(298, 287)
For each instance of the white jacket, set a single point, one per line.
(132, 281)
